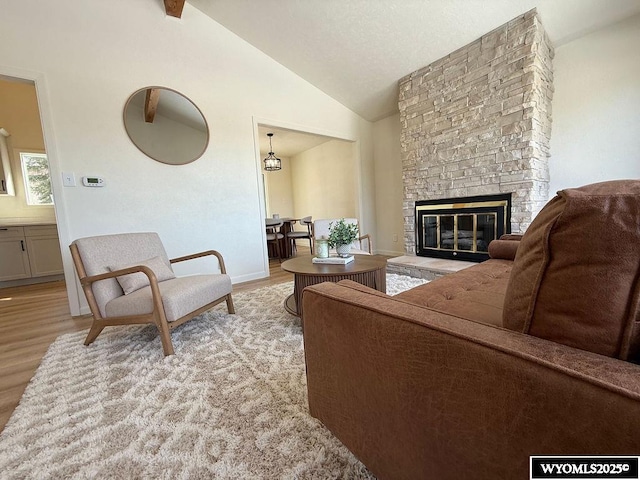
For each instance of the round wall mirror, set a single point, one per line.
(165, 125)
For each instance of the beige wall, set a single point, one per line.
(389, 237)
(19, 115)
(324, 181)
(321, 182)
(279, 193)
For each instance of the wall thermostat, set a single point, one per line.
(93, 181)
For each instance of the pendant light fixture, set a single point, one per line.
(271, 162)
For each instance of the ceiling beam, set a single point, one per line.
(174, 7)
(151, 104)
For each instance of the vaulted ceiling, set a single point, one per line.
(357, 50)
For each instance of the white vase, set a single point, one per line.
(343, 250)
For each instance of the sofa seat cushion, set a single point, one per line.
(576, 276)
(180, 296)
(475, 293)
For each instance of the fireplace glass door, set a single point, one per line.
(463, 232)
(461, 228)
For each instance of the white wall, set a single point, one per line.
(389, 238)
(88, 56)
(596, 107)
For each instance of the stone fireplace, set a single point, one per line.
(478, 122)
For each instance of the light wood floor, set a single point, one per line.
(33, 316)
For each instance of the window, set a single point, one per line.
(37, 180)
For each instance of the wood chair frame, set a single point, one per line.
(368, 239)
(310, 236)
(157, 316)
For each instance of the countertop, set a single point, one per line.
(9, 222)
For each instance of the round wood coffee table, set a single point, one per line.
(369, 270)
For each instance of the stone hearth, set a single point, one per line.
(478, 122)
(427, 268)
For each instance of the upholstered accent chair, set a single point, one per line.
(127, 279)
(321, 230)
(293, 235)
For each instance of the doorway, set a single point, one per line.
(29, 235)
(318, 175)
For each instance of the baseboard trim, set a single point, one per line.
(390, 253)
(250, 276)
(31, 281)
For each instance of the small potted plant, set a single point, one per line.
(342, 235)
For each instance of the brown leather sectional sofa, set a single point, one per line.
(471, 374)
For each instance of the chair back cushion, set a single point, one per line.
(100, 253)
(321, 229)
(576, 274)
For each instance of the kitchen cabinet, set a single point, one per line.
(14, 260)
(44, 250)
(29, 251)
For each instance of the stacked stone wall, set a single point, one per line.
(478, 122)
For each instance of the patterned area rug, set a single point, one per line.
(230, 404)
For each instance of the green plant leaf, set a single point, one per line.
(342, 233)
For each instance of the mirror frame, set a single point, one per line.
(206, 124)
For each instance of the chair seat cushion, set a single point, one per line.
(180, 296)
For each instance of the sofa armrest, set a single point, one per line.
(362, 288)
(503, 249)
(415, 393)
(511, 236)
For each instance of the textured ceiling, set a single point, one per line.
(357, 50)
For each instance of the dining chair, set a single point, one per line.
(308, 233)
(273, 226)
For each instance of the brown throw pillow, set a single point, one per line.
(576, 276)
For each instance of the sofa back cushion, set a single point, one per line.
(576, 275)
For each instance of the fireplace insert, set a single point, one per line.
(461, 228)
